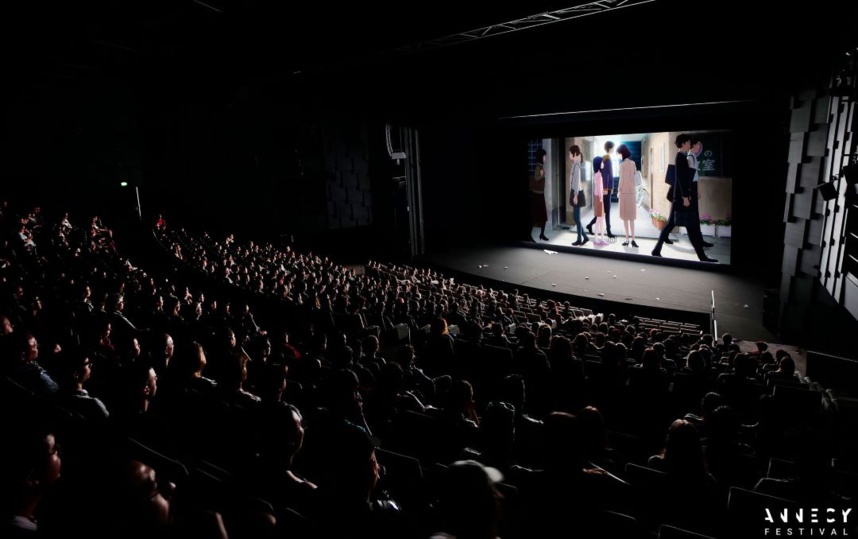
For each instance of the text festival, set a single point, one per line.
(799, 522)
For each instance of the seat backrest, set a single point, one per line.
(672, 532)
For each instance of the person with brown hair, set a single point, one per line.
(576, 193)
(537, 195)
(681, 212)
(627, 194)
(605, 168)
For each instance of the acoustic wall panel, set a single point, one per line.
(792, 177)
(816, 142)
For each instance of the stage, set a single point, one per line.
(615, 282)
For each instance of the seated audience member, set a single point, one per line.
(143, 507)
(25, 237)
(233, 380)
(352, 476)
(30, 468)
(731, 461)
(528, 431)
(498, 336)
(272, 474)
(416, 381)
(594, 439)
(75, 370)
(390, 396)
(460, 419)
(496, 440)
(567, 496)
(21, 365)
(470, 503)
(695, 494)
(785, 371)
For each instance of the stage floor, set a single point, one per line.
(646, 240)
(644, 281)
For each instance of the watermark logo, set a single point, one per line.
(808, 522)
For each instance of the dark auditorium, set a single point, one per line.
(435, 270)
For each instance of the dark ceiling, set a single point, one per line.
(659, 52)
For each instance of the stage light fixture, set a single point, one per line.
(828, 190)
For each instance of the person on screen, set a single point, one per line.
(598, 204)
(607, 186)
(696, 150)
(681, 210)
(627, 194)
(537, 195)
(576, 193)
(693, 154)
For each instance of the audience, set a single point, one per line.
(183, 359)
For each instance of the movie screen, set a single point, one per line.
(666, 194)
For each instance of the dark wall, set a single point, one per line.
(70, 143)
(244, 162)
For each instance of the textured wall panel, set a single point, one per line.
(809, 263)
(796, 147)
(801, 116)
(790, 259)
(816, 142)
(794, 233)
(814, 232)
(808, 172)
(821, 113)
(792, 177)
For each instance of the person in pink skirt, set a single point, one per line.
(627, 195)
(598, 203)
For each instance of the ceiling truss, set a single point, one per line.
(526, 23)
